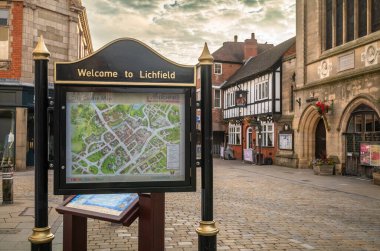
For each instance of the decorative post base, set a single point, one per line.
(41, 235)
(207, 228)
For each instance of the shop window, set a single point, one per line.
(7, 137)
(4, 34)
(267, 135)
(234, 134)
(217, 68)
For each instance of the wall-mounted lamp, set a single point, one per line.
(298, 100)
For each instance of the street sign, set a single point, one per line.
(126, 123)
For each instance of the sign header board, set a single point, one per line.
(126, 120)
(125, 62)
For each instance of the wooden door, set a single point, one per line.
(320, 140)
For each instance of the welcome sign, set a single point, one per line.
(127, 122)
(114, 64)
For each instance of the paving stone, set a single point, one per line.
(255, 208)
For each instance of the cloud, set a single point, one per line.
(178, 28)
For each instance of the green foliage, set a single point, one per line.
(94, 170)
(102, 106)
(108, 165)
(95, 157)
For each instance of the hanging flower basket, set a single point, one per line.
(322, 108)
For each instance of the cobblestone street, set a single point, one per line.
(255, 208)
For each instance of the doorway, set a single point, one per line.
(320, 140)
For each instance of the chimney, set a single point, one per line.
(235, 38)
(250, 47)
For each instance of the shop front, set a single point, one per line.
(16, 126)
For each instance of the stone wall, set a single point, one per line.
(58, 24)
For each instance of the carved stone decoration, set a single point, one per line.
(324, 69)
(370, 54)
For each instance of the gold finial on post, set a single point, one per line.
(41, 52)
(206, 58)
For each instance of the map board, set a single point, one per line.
(126, 122)
(108, 207)
(125, 137)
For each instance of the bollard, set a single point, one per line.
(8, 184)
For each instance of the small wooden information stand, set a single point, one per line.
(116, 208)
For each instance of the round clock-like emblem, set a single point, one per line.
(371, 54)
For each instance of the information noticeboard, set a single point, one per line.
(135, 135)
(285, 141)
(370, 153)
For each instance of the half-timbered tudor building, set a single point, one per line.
(253, 104)
(227, 60)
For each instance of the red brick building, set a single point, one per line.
(64, 27)
(227, 60)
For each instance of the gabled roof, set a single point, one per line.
(262, 62)
(234, 52)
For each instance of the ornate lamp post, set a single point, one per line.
(207, 230)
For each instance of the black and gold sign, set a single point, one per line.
(125, 62)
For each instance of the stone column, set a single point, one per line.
(21, 138)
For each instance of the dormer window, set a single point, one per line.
(217, 68)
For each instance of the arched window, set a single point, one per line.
(364, 120)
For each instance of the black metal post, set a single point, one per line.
(206, 231)
(7, 178)
(41, 237)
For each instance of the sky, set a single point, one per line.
(178, 29)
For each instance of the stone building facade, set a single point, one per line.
(64, 26)
(338, 66)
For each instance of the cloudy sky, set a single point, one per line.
(178, 28)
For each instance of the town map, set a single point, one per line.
(118, 137)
